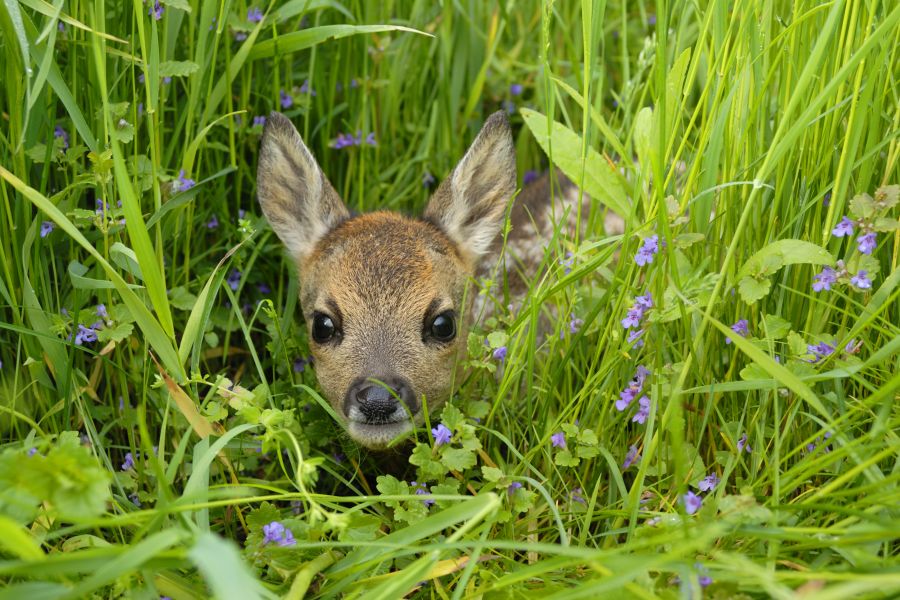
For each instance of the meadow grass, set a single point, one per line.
(737, 437)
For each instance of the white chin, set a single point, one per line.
(378, 436)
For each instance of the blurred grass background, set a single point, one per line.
(128, 153)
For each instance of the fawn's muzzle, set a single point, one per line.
(375, 401)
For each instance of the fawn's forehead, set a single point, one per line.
(380, 254)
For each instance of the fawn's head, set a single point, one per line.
(384, 296)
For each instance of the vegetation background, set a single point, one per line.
(161, 433)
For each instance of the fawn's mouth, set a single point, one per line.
(378, 435)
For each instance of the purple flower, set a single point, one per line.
(59, 132)
(370, 139)
(740, 328)
(866, 243)
(142, 78)
(692, 502)
(240, 36)
(576, 496)
(529, 176)
(427, 180)
(825, 279)
(234, 279)
(300, 364)
(277, 533)
(703, 577)
(135, 499)
(343, 140)
(648, 249)
(259, 120)
(558, 440)
(46, 228)
(515, 89)
(183, 183)
(167, 80)
(354, 83)
(100, 310)
(254, 15)
(643, 412)
(567, 262)
(651, 20)
(853, 346)
(513, 487)
(634, 336)
(262, 288)
(156, 11)
(631, 457)
(574, 324)
(708, 483)
(508, 106)
(86, 334)
(861, 281)
(826, 199)
(31, 452)
(500, 353)
(820, 351)
(129, 462)
(422, 490)
(441, 435)
(845, 227)
(305, 89)
(286, 100)
(213, 222)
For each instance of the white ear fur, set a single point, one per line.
(295, 196)
(470, 204)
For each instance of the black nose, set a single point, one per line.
(377, 401)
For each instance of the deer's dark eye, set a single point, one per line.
(323, 328)
(443, 327)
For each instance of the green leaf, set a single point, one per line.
(179, 4)
(775, 327)
(220, 563)
(564, 147)
(457, 459)
(796, 344)
(887, 196)
(492, 474)
(862, 206)
(564, 458)
(452, 417)
(182, 299)
(885, 224)
(313, 36)
(753, 290)
(781, 253)
(18, 541)
(177, 68)
(497, 339)
(429, 467)
(686, 240)
(117, 333)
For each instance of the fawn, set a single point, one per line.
(385, 296)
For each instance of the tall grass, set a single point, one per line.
(739, 133)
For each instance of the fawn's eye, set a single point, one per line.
(323, 328)
(443, 327)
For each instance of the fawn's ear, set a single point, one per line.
(470, 204)
(295, 196)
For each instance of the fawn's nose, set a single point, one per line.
(379, 401)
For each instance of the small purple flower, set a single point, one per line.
(692, 502)
(277, 533)
(46, 228)
(183, 183)
(441, 435)
(259, 121)
(643, 412)
(100, 310)
(558, 440)
(513, 487)
(296, 505)
(129, 462)
(422, 490)
(634, 336)
(708, 483)
(529, 176)
(515, 89)
(508, 106)
(427, 180)
(370, 139)
(820, 351)
(234, 279)
(861, 281)
(845, 227)
(300, 364)
(240, 36)
(156, 11)
(866, 243)
(500, 353)
(633, 317)
(254, 15)
(286, 99)
(825, 279)
(59, 132)
(651, 20)
(853, 346)
(31, 452)
(142, 78)
(305, 89)
(354, 83)
(631, 457)
(567, 262)
(574, 324)
(741, 328)
(649, 248)
(262, 288)
(167, 80)
(86, 334)
(703, 577)
(826, 199)
(577, 497)
(135, 499)
(213, 222)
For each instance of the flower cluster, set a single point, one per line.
(277, 533)
(632, 392)
(345, 140)
(254, 14)
(866, 242)
(741, 328)
(820, 351)
(422, 490)
(182, 183)
(649, 248)
(156, 11)
(829, 276)
(635, 316)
